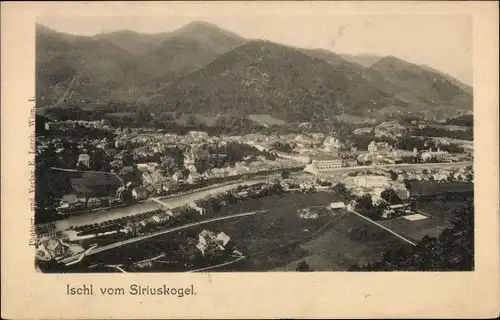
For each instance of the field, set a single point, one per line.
(349, 240)
(353, 119)
(266, 119)
(183, 120)
(450, 127)
(424, 188)
(439, 215)
(278, 239)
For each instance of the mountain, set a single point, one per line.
(119, 65)
(205, 69)
(421, 85)
(185, 50)
(376, 78)
(261, 77)
(77, 67)
(365, 60)
(136, 43)
(465, 87)
(332, 58)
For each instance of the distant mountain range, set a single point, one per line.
(201, 68)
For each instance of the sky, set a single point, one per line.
(443, 42)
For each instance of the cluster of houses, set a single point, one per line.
(210, 242)
(79, 201)
(72, 124)
(48, 249)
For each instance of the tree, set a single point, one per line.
(185, 173)
(303, 266)
(285, 174)
(340, 188)
(390, 196)
(394, 175)
(168, 166)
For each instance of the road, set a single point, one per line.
(155, 234)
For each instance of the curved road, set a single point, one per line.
(155, 234)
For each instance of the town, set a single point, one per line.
(115, 187)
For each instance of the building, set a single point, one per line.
(336, 205)
(69, 201)
(140, 193)
(326, 162)
(189, 160)
(380, 147)
(208, 240)
(93, 202)
(303, 141)
(198, 135)
(307, 213)
(332, 145)
(349, 162)
(84, 159)
(222, 238)
(439, 155)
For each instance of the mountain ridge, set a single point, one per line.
(115, 68)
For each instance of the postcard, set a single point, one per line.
(249, 160)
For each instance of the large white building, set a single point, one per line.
(321, 164)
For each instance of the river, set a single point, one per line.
(148, 205)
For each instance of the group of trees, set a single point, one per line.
(171, 160)
(466, 120)
(283, 146)
(341, 190)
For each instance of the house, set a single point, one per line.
(55, 247)
(195, 206)
(93, 203)
(140, 193)
(381, 147)
(349, 162)
(388, 214)
(222, 238)
(69, 200)
(306, 213)
(84, 159)
(336, 205)
(194, 177)
(371, 181)
(198, 135)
